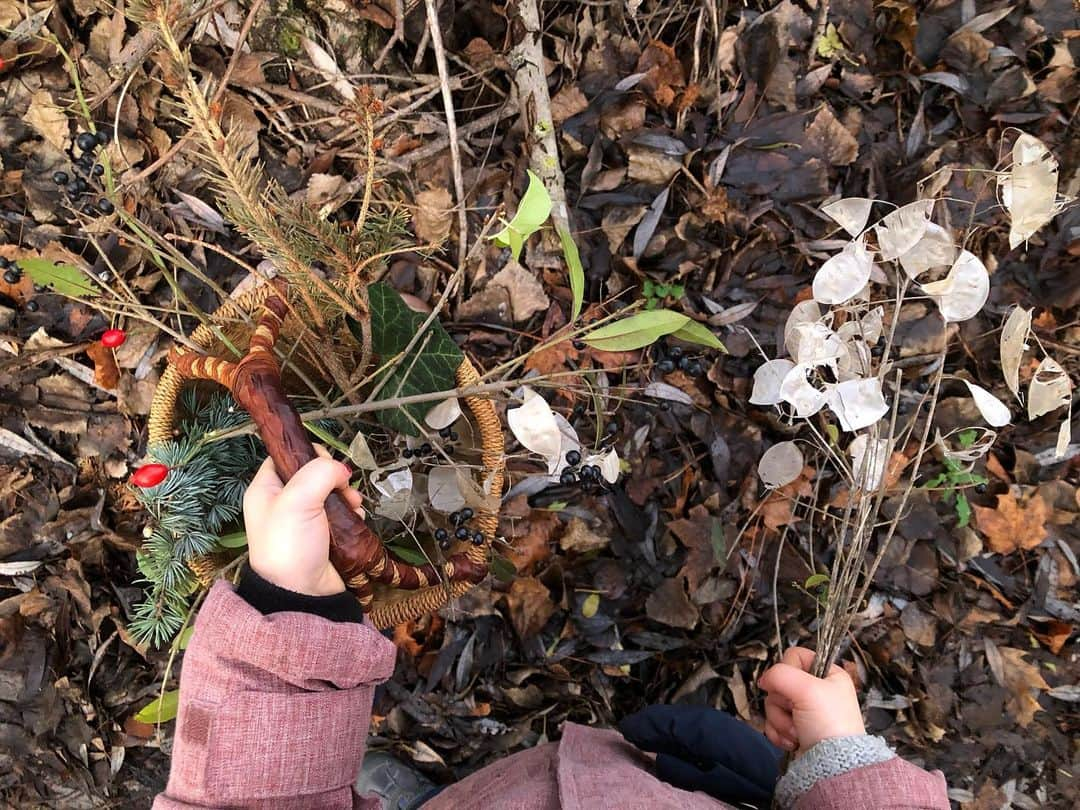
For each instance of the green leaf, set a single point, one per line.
(590, 605)
(533, 211)
(966, 438)
(694, 332)
(648, 289)
(161, 710)
(833, 432)
(327, 438)
(963, 510)
(410, 553)
(577, 272)
(430, 366)
(677, 291)
(62, 278)
(234, 540)
(816, 581)
(502, 569)
(636, 331)
(934, 482)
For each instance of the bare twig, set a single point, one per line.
(451, 127)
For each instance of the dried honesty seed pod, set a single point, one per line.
(868, 460)
(851, 213)
(901, 230)
(1013, 343)
(962, 293)
(1029, 189)
(780, 464)
(993, 410)
(843, 276)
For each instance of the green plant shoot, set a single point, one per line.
(532, 213)
(645, 328)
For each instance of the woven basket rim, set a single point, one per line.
(385, 612)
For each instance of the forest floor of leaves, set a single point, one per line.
(698, 142)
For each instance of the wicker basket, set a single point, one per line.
(231, 326)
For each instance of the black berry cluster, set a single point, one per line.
(586, 476)
(669, 359)
(426, 450)
(460, 521)
(13, 275)
(85, 170)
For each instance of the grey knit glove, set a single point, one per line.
(829, 758)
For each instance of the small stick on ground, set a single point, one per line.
(534, 102)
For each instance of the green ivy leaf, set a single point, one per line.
(699, 333)
(577, 272)
(161, 710)
(431, 366)
(636, 331)
(410, 554)
(533, 211)
(62, 278)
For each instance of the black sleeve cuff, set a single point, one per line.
(266, 597)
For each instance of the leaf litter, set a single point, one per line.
(625, 593)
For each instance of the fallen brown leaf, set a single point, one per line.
(669, 605)
(1012, 526)
(695, 533)
(534, 546)
(580, 538)
(1022, 679)
(106, 373)
(530, 605)
(433, 215)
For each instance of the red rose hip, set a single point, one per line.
(113, 338)
(149, 475)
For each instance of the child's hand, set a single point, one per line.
(802, 710)
(288, 535)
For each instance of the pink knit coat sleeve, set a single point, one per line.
(892, 785)
(274, 709)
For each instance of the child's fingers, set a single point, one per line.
(354, 499)
(265, 486)
(789, 682)
(307, 491)
(800, 658)
(351, 496)
(778, 739)
(778, 715)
